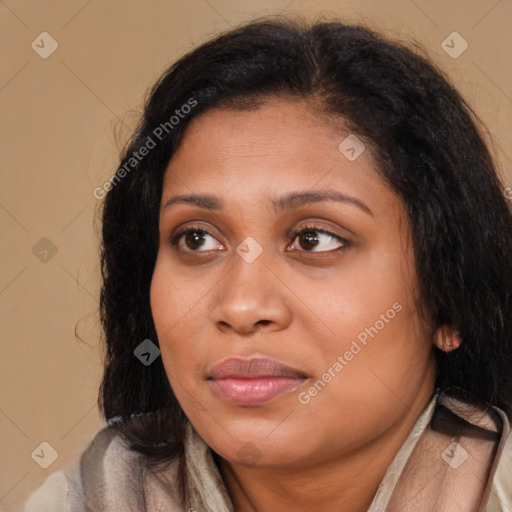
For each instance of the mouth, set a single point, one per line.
(249, 382)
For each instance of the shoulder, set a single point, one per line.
(501, 494)
(51, 496)
(62, 488)
(107, 472)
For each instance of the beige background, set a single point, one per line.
(61, 118)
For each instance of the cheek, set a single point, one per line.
(381, 366)
(374, 325)
(175, 299)
(364, 300)
(170, 306)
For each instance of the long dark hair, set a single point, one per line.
(427, 143)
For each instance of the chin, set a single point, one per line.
(254, 447)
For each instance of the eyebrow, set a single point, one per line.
(284, 203)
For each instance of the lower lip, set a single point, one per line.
(255, 391)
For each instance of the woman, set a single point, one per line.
(306, 296)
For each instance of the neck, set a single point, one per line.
(347, 483)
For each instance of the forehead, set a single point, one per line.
(280, 146)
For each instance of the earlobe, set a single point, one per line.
(447, 339)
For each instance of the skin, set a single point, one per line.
(303, 307)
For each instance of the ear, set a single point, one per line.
(447, 339)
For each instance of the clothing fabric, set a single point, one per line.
(458, 456)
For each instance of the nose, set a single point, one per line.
(251, 297)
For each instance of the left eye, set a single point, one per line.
(311, 238)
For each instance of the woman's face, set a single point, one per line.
(287, 349)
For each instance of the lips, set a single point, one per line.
(253, 381)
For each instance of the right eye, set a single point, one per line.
(193, 238)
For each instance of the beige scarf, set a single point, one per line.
(447, 464)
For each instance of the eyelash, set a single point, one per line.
(175, 238)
